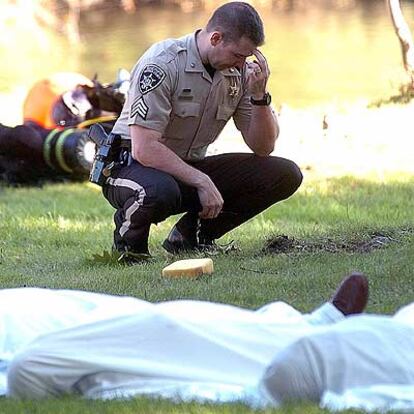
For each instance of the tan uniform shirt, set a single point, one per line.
(171, 92)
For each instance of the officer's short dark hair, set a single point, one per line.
(235, 20)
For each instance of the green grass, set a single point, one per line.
(49, 236)
(142, 406)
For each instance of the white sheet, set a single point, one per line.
(27, 313)
(185, 349)
(397, 397)
(363, 362)
(120, 347)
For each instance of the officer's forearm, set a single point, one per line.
(151, 153)
(263, 130)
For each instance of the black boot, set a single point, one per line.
(183, 236)
(186, 236)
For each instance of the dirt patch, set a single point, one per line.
(375, 240)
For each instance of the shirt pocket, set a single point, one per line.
(186, 109)
(184, 122)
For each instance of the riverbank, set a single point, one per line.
(326, 141)
(356, 140)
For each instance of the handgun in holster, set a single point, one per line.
(106, 153)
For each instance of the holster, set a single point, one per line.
(108, 148)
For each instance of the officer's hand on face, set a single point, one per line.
(258, 74)
(210, 199)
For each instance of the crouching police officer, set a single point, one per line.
(182, 94)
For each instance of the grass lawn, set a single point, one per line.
(332, 227)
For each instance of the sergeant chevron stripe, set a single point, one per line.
(139, 107)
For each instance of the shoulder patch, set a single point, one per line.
(151, 77)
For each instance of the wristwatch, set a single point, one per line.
(265, 101)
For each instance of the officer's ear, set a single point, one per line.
(216, 38)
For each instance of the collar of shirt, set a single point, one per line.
(194, 63)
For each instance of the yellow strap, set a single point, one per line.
(92, 121)
(46, 147)
(59, 150)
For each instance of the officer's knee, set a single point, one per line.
(292, 175)
(293, 375)
(284, 176)
(296, 175)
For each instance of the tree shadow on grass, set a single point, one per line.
(343, 214)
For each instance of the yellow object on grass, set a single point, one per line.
(189, 268)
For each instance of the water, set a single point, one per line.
(318, 55)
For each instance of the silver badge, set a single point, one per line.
(233, 88)
(151, 77)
